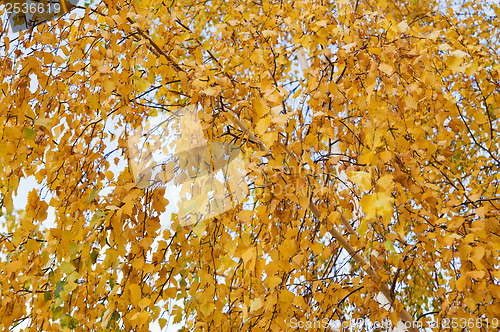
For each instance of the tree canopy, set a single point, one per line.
(366, 135)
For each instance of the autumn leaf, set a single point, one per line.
(29, 134)
(361, 179)
(377, 204)
(386, 69)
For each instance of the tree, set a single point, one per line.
(369, 131)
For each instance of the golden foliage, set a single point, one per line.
(370, 130)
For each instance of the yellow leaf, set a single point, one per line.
(45, 122)
(245, 216)
(135, 293)
(109, 85)
(269, 33)
(453, 62)
(444, 47)
(262, 125)
(103, 69)
(386, 182)
(433, 35)
(13, 266)
(322, 23)
(280, 120)
(461, 283)
(67, 268)
(478, 253)
(273, 281)
(411, 103)
(183, 77)
(348, 47)
(144, 302)
(162, 323)
(244, 309)
(200, 227)
(377, 204)
(210, 91)
(170, 292)
(469, 238)
(459, 54)
(207, 308)
(107, 316)
(472, 69)
(403, 26)
(478, 275)
(361, 179)
(477, 263)
(386, 69)
(248, 254)
(297, 260)
(141, 83)
(140, 318)
(481, 211)
(385, 156)
(370, 158)
(256, 305)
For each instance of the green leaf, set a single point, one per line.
(115, 316)
(73, 248)
(112, 283)
(98, 215)
(389, 246)
(59, 287)
(92, 195)
(56, 312)
(27, 284)
(68, 322)
(47, 296)
(93, 256)
(29, 134)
